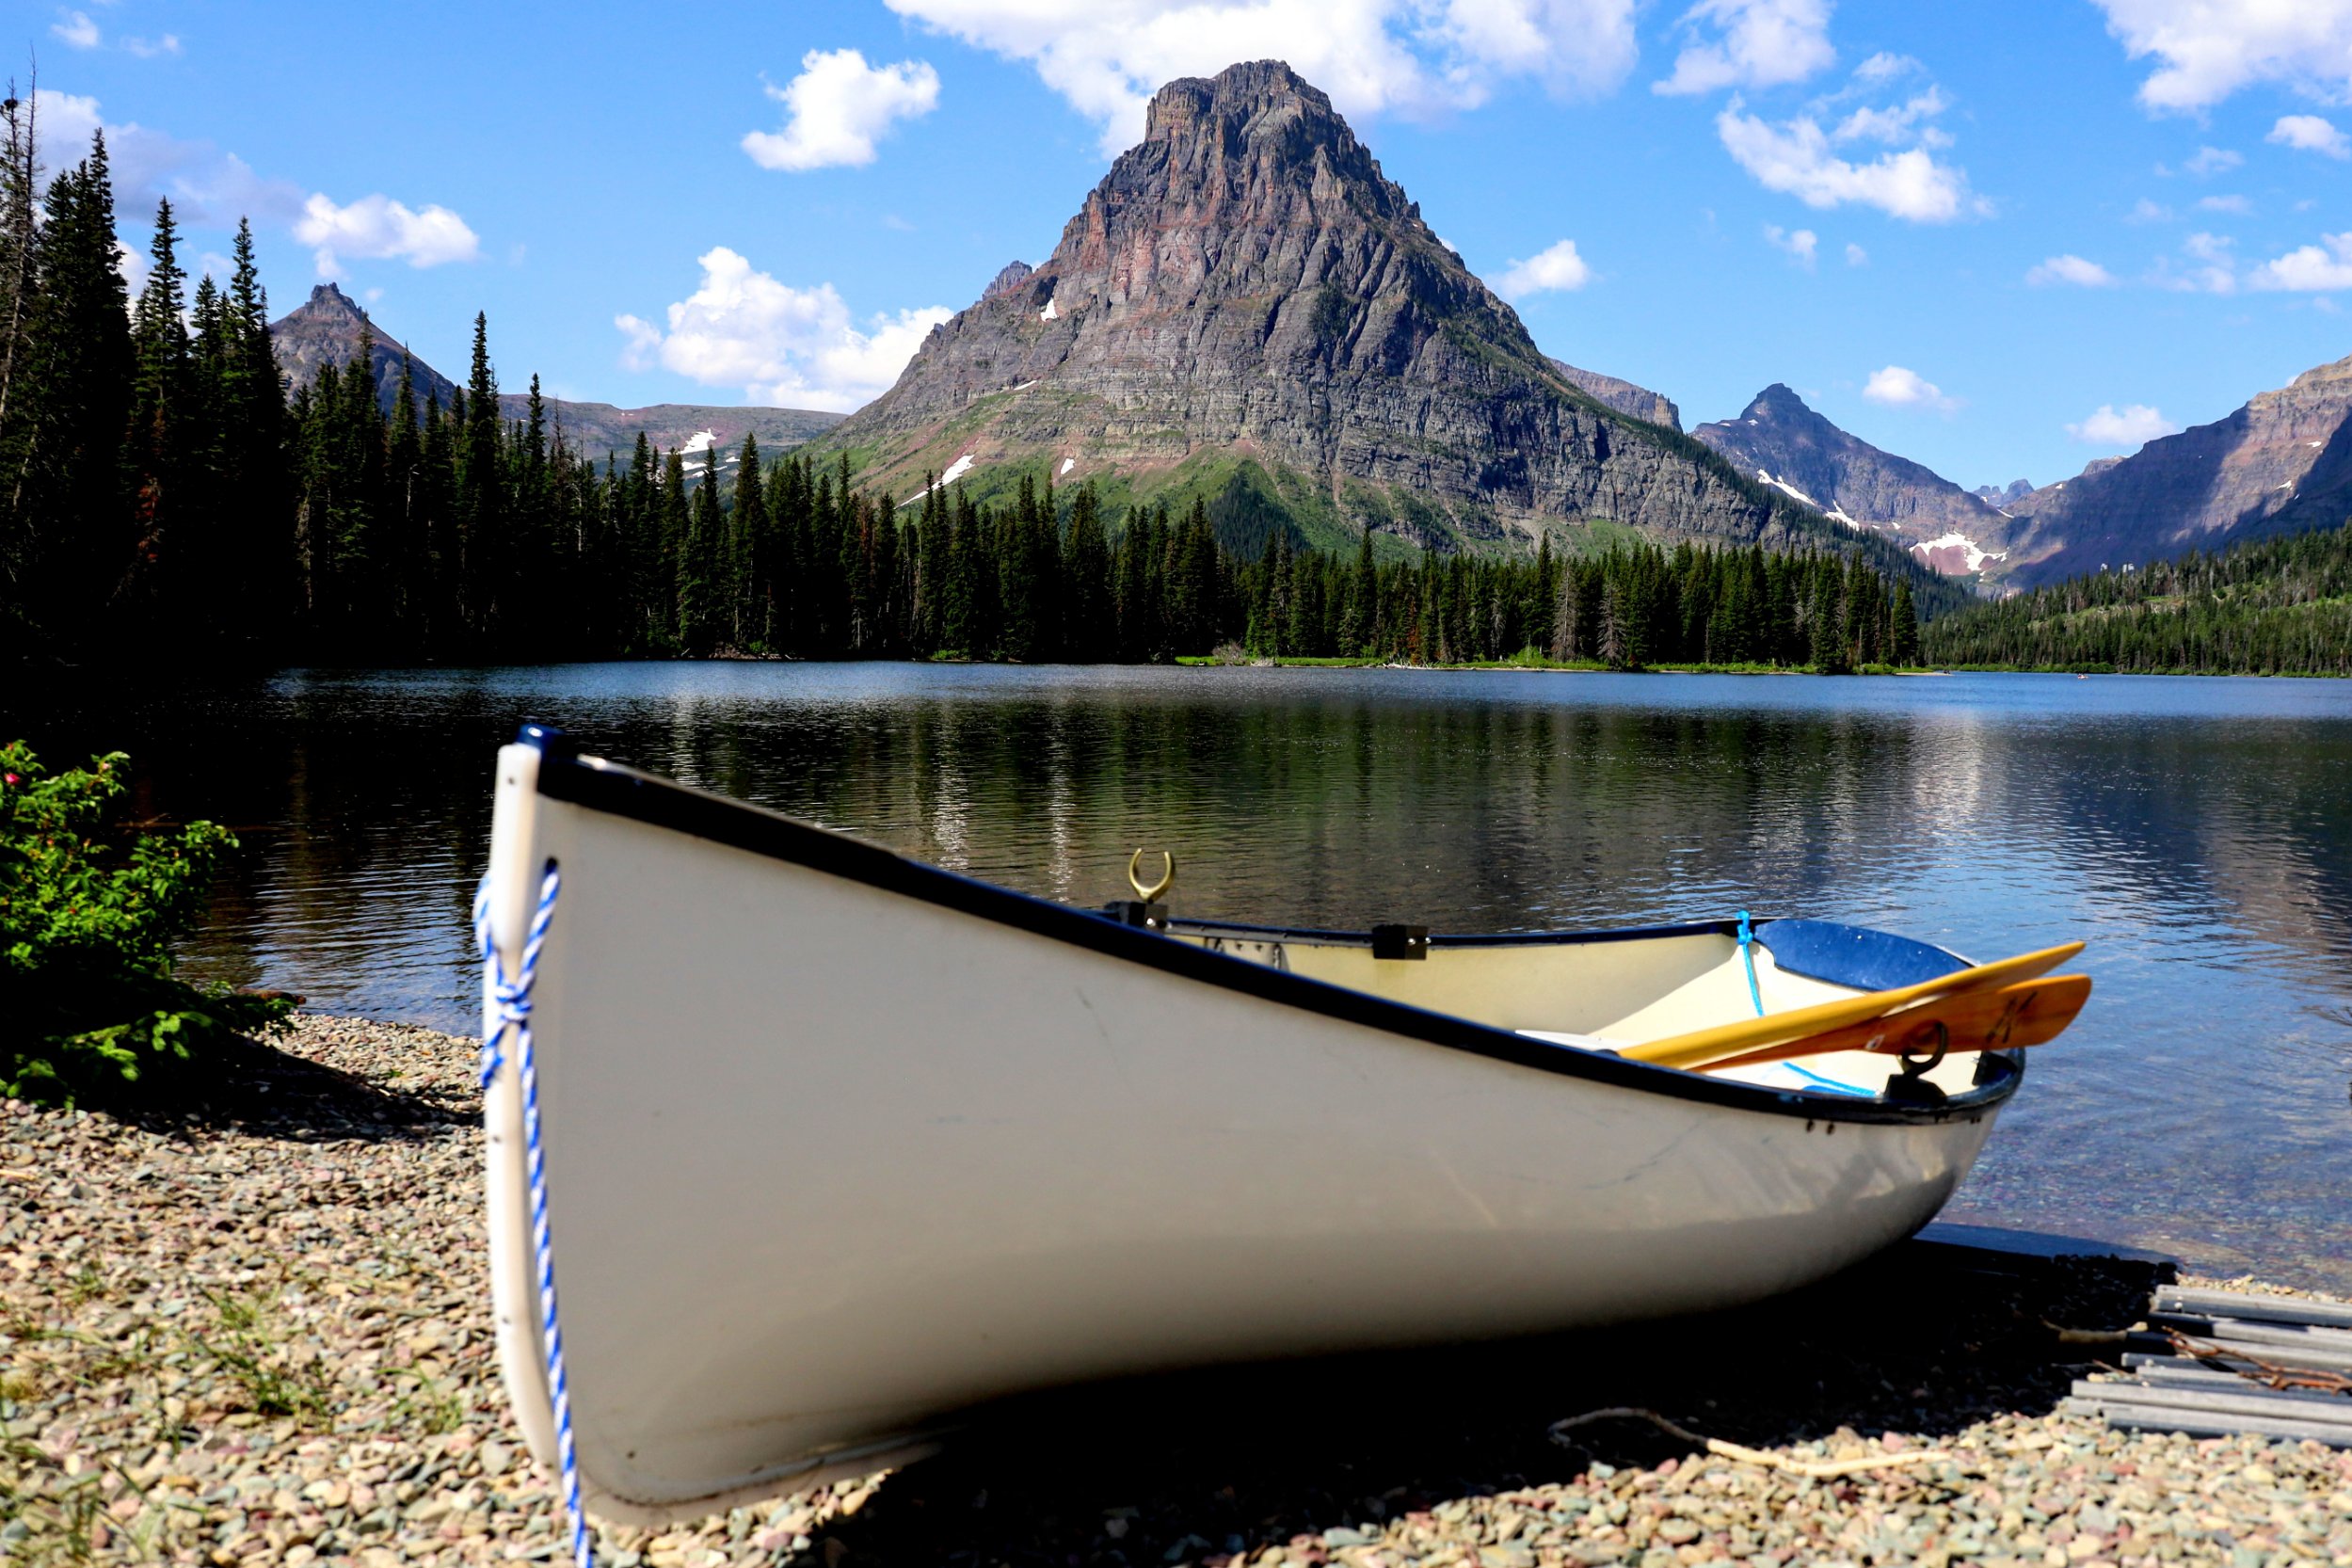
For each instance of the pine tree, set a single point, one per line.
(484, 555)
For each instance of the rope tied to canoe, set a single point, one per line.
(1747, 952)
(513, 1000)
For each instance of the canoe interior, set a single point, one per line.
(1621, 987)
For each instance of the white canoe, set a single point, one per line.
(838, 1144)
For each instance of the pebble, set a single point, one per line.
(257, 1333)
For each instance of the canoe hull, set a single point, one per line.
(829, 1162)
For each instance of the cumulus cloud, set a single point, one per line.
(1856, 255)
(204, 185)
(2072, 269)
(2237, 205)
(838, 106)
(1798, 158)
(1802, 244)
(2209, 49)
(76, 30)
(1371, 55)
(1556, 270)
(780, 345)
(1898, 388)
(2213, 160)
(2145, 210)
(2135, 425)
(2211, 268)
(2310, 268)
(378, 228)
(2308, 133)
(147, 48)
(1750, 44)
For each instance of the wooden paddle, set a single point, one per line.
(1701, 1046)
(2031, 1013)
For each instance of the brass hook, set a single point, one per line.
(1135, 880)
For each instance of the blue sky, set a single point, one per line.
(1960, 231)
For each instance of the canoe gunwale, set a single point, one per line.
(596, 784)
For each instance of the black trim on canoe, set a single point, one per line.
(623, 791)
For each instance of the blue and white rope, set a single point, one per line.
(513, 999)
(1747, 952)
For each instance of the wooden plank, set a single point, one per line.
(2175, 1372)
(2289, 1344)
(2193, 1424)
(2193, 1301)
(2277, 1356)
(2332, 1410)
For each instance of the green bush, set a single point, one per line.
(89, 1002)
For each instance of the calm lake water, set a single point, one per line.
(2197, 833)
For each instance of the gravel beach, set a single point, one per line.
(257, 1331)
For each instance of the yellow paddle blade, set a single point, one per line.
(1703, 1046)
(2031, 1013)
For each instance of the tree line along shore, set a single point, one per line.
(162, 490)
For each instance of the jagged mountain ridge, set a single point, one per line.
(1623, 396)
(2281, 463)
(327, 329)
(1245, 303)
(1784, 442)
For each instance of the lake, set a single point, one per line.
(2197, 833)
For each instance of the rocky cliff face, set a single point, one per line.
(1624, 396)
(1785, 443)
(2281, 464)
(1246, 303)
(327, 329)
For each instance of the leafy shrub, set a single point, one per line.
(89, 1002)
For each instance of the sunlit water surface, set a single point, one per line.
(2197, 833)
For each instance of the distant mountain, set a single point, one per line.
(327, 329)
(1246, 310)
(1785, 443)
(2281, 464)
(2004, 495)
(1624, 396)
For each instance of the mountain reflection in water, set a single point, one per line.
(2197, 833)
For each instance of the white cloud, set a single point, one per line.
(1106, 60)
(781, 344)
(76, 30)
(1802, 244)
(2237, 205)
(2215, 270)
(375, 226)
(1856, 255)
(837, 105)
(147, 49)
(1903, 122)
(2308, 133)
(1795, 158)
(2310, 268)
(2209, 49)
(205, 184)
(1757, 43)
(1883, 67)
(2072, 269)
(1556, 268)
(2213, 160)
(135, 266)
(2135, 426)
(2145, 210)
(1898, 388)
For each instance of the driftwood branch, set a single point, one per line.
(1812, 1469)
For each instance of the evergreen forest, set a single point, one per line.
(2281, 606)
(163, 493)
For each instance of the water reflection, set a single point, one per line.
(2193, 831)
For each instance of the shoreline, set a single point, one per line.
(256, 1333)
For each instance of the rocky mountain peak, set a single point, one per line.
(1247, 310)
(1013, 276)
(1782, 441)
